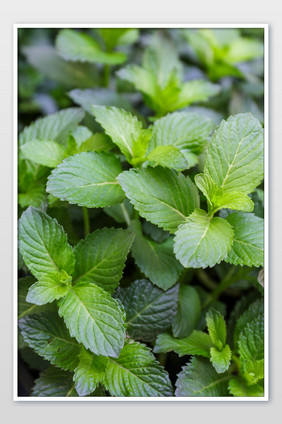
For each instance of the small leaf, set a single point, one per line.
(94, 319)
(220, 359)
(168, 156)
(202, 240)
(89, 373)
(198, 343)
(149, 310)
(54, 382)
(216, 327)
(247, 248)
(101, 256)
(49, 288)
(160, 195)
(188, 312)
(96, 143)
(87, 179)
(199, 378)
(254, 310)
(238, 387)
(197, 90)
(44, 152)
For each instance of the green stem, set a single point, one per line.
(86, 221)
(222, 286)
(106, 76)
(125, 214)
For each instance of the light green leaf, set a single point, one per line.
(188, 312)
(46, 333)
(54, 127)
(235, 155)
(136, 373)
(54, 383)
(89, 372)
(81, 134)
(216, 327)
(168, 156)
(248, 243)
(239, 387)
(244, 49)
(199, 378)
(197, 90)
(123, 127)
(202, 240)
(87, 179)
(220, 359)
(49, 288)
(113, 37)
(101, 256)
(44, 246)
(77, 46)
(44, 152)
(96, 143)
(94, 319)
(198, 343)
(149, 310)
(156, 260)
(160, 195)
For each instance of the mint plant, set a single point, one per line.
(140, 236)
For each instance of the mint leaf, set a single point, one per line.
(44, 152)
(238, 387)
(235, 155)
(149, 310)
(46, 252)
(89, 372)
(216, 327)
(99, 142)
(25, 308)
(46, 333)
(197, 90)
(94, 319)
(253, 311)
(113, 37)
(248, 243)
(202, 240)
(220, 359)
(54, 382)
(77, 46)
(156, 260)
(168, 156)
(199, 378)
(101, 256)
(87, 179)
(198, 343)
(136, 373)
(188, 312)
(160, 195)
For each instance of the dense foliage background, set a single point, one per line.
(148, 73)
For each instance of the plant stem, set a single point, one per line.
(86, 221)
(106, 76)
(222, 286)
(206, 280)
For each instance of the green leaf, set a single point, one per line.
(54, 127)
(94, 319)
(188, 312)
(216, 327)
(254, 310)
(168, 156)
(244, 49)
(101, 256)
(81, 134)
(149, 310)
(46, 252)
(248, 243)
(220, 359)
(235, 155)
(197, 90)
(113, 37)
(97, 143)
(44, 152)
(136, 373)
(160, 195)
(87, 179)
(238, 387)
(35, 196)
(77, 46)
(121, 213)
(156, 260)
(202, 240)
(89, 372)
(46, 333)
(54, 382)
(198, 343)
(123, 127)
(25, 308)
(199, 378)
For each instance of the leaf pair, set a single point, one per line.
(95, 266)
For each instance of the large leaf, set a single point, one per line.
(87, 179)
(89, 372)
(198, 343)
(235, 154)
(248, 243)
(44, 152)
(188, 312)
(156, 260)
(149, 310)
(54, 383)
(160, 195)
(46, 333)
(100, 258)
(199, 378)
(94, 319)
(136, 373)
(202, 240)
(76, 46)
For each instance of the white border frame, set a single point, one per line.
(17, 398)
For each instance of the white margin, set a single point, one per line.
(17, 398)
